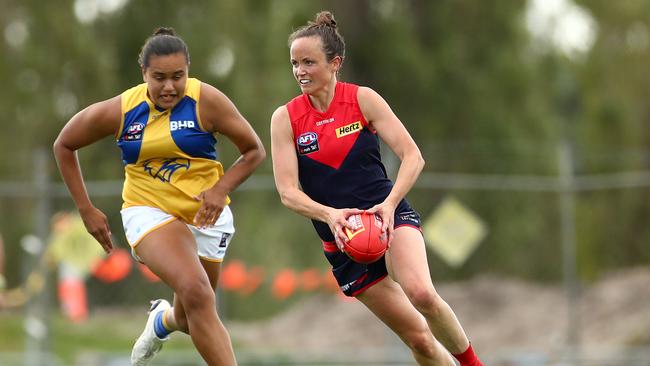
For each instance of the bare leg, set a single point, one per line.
(170, 252)
(389, 303)
(407, 265)
(179, 321)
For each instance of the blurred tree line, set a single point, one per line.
(464, 76)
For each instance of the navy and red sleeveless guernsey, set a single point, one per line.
(339, 163)
(339, 166)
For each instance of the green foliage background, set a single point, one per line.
(464, 76)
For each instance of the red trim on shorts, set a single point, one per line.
(330, 246)
(362, 278)
(364, 288)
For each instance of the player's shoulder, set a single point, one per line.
(297, 107)
(133, 97)
(298, 100)
(213, 102)
(356, 94)
(193, 88)
(280, 114)
(368, 99)
(280, 123)
(366, 92)
(207, 91)
(135, 89)
(110, 107)
(105, 115)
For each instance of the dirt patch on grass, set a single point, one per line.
(499, 314)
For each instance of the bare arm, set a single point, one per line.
(391, 130)
(219, 114)
(285, 172)
(90, 125)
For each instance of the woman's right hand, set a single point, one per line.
(84, 128)
(337, 219)
(97, 225)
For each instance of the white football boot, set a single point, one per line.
(148, 344)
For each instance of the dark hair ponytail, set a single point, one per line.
(164, 41)
(325, 27)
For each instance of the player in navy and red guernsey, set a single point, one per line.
(327, 166)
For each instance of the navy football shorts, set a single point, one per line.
(354, 278)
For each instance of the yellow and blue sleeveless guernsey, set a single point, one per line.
(169, 159)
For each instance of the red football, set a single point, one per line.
(367, 243)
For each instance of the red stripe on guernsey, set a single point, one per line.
(330, 246)
(327, 137)
(364, 288)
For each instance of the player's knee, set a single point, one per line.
(196, 295)
(425, 346)
(422, 343)
(425, 300)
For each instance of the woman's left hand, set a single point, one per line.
(213, 203)
(386, 211)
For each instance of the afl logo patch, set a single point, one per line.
(307, 143)
(134, 132)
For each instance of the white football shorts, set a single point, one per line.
(211, 242)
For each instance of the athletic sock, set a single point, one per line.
(468, 358)
(160, 328)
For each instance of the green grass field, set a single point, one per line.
(106, 332)
(105, 338)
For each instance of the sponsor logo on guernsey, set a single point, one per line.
(180, 125)
(325, 121)
(348, 129)
(307, 143)
(134, 132)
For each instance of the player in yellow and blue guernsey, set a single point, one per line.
(327, 167)
(175, 212)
